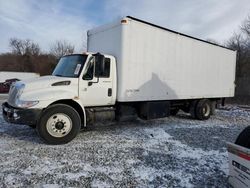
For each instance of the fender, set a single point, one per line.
(83, 110)
(72, 103)
(54, 95)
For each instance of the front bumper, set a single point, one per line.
(19, 115)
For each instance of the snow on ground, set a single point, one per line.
(170, 152)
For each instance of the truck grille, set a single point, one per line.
(12, 95)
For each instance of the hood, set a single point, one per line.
(41, 88)
(44, 82)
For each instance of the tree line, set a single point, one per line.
(240, 41)
(26, 56)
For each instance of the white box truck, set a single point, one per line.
(132, 69)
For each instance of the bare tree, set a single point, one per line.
(246, 26)
(61, 48)
(24, 47)
(16, 46)
(241, 42)
(236, 42)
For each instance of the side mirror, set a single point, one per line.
(99, 65)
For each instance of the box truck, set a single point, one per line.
(132, 69)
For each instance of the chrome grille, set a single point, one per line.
(14, 91)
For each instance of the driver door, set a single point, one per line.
(96, 90)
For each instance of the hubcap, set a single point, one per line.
(206, 110)
(59, 125)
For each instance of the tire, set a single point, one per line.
(173, 112)
(213, 106)
(203, 109)
(193, 108)
(244, 138)
(59, 124)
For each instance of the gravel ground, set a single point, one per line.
(170, 152)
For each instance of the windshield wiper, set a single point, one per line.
(58, 75)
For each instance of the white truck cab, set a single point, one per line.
(150, 72)
(79, 81)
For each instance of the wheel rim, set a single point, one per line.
(59, 125)
(206, 110)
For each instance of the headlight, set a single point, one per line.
(25, 104)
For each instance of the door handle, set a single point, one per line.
(109, 92)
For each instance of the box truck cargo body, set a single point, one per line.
(132, 69)
(154, 63)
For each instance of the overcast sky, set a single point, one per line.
(45, 21)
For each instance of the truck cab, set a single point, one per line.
(57, 105)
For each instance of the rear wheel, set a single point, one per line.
(192, 109)
(59, 124)
(203, 109)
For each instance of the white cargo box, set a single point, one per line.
(154, 63)
(239, 166)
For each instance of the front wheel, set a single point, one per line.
(59, 124)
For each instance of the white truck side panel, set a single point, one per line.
(155, 64)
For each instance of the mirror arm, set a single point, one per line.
(90, 83)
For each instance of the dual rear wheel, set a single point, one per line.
(201, 109)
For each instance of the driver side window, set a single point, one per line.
(90, 72)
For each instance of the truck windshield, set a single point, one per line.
(70, 66)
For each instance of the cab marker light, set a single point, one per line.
(124, 21)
